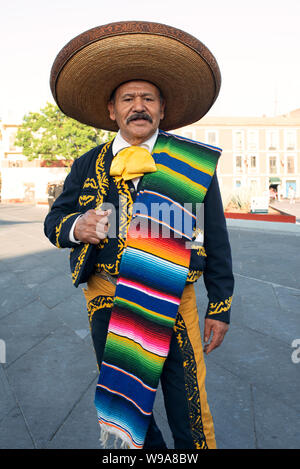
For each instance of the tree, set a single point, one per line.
(52, 136)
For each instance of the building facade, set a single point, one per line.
(258, 153)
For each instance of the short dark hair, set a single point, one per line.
(113, 94)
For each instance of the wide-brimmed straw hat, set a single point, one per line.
(93, 64)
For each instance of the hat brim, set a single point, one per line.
(92, 65)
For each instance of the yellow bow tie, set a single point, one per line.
(132, 162)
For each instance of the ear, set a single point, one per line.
(111, 110)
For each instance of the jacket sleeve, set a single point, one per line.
(64, 211)
(217, 275)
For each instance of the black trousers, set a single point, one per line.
(174, 385)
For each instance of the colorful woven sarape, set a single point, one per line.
(152, 277)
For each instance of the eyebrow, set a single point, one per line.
(130, 95)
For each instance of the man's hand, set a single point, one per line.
(92, 226)
(218, 329)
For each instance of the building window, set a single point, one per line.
(12, 138)
(211, 137)
(238, 139)
(273, 164)
(189, 133)
(238, 183)
(290, 140)
(272, 140)
(238, 164)
(253, 162)
(254, 186)
(252, 140)
(290, 164)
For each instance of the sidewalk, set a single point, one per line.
(48, 381)
(286, 206)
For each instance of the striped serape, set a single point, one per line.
(153, 273)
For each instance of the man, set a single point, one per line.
(140, 283)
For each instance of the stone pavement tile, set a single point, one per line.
(261, 255)
(60, 262)
(16, 248)
(55, 290)
(56, 258)
(20, 264)
(265, 308)
(36, 275)
(49, 380)
(72, 311)
(14, 294)
(289, 300)
(16, 243)
(4, 267)
(229, 399)
(161, 418)
(80, 429)
(276, 424)
(263, 226)
(13, 431)
(6, 277)
(262, 361)
(23, 212)
(25, 328)
(49, 257)
(7, 401)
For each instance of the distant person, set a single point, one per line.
(280, 193)
(291, 195)
(272, 194)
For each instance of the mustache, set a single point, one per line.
(139, 115)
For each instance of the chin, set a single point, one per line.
(141, 130)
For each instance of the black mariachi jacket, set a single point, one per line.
(89, 186)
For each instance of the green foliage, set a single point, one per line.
(51, 136)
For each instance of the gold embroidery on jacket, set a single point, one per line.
(125, 215)
(58, 228)
(80, 260)
(220, 307)
(99, 302)
(102, 179)
(201, 252)
(90, 183)
(191, 383)
(85, 199)
(194, 275)
(102, 191)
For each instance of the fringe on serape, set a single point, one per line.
(118, 439)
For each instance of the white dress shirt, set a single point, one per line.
(119, 144)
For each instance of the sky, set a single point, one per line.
(256, 43)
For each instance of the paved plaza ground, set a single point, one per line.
(47, 382)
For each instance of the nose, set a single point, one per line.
(138, 104)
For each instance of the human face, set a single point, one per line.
(137, 108)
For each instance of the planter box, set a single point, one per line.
(280, 216)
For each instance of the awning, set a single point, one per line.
(274, 180)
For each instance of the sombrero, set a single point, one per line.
(94, 63)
